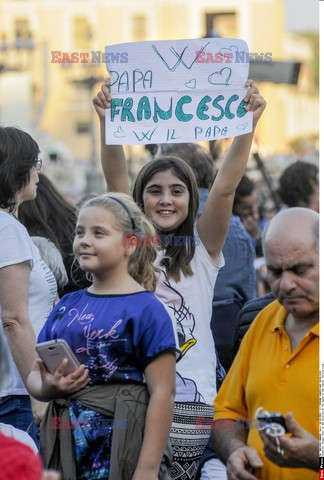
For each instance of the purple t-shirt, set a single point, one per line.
(115, 336)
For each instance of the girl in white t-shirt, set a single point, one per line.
(189, 262)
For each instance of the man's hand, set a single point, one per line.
(300, 450)
(251, 225)
(242, 463)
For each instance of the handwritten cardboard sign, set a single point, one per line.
(177, 91)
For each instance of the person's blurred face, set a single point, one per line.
(293, 274)
(247, 210)
(314, 198)
(248, 207)
(29, 192)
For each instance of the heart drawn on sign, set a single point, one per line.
(119, 133)
(223, 78)
(242, 126)
(191, 84)
(232, 49)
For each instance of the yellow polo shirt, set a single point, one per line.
(266, 373)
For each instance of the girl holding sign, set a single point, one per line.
(188, 263)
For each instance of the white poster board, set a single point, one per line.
(177, 91)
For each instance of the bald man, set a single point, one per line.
(277, 365)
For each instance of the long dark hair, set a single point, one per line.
(177, 258)
(49, 215)
(18, 154)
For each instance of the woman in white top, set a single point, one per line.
(27, 286)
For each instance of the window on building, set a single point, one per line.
(81, 34)
(221, 25)
(23, 35)
(139, 28)
(22, 29)
(4, 45)
(82, 126)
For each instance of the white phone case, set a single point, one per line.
(53, 352)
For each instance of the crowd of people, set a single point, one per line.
(166, 387)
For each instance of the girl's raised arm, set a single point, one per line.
(113, 159)
(214, 222)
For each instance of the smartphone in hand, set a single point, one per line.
(53, 352)
(273, 423)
